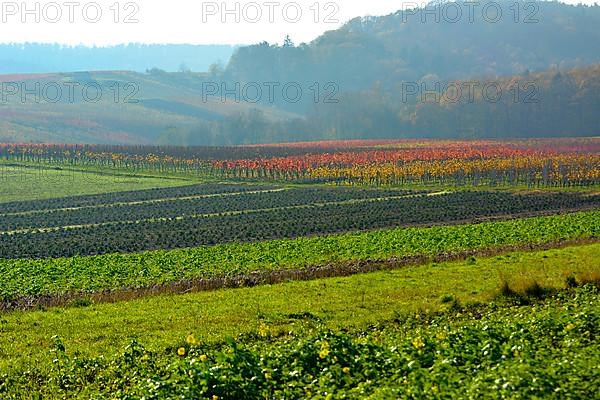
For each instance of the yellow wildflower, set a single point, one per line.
(324, 350)
(190, 339)
(263, 329)
(570, 327)
(418, 343)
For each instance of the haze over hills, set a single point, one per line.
(45, 58)
(548, 54)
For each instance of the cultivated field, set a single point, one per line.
(381, 269)
(30, 182)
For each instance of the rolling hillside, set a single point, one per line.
(114, 107)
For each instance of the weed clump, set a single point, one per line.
(571, 282)
(447, 298)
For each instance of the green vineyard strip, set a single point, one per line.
(24, 277)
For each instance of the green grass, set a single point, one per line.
(546, 349)
(23, 277)
(36, 182)
(350, 302)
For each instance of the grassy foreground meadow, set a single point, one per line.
(337, 270)
(295, 339)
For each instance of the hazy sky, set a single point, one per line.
(103, 22)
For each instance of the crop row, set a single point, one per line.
(546, 350)
(27, 277)
(124, 197)
(285, 222)
(189, 206)
(559, 170)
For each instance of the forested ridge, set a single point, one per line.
(551, 103)
(441, 42)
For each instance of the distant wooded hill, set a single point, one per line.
(432, 44)
(541, 104)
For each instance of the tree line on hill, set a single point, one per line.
(544, 104)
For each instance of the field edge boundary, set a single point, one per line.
(269, 277)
